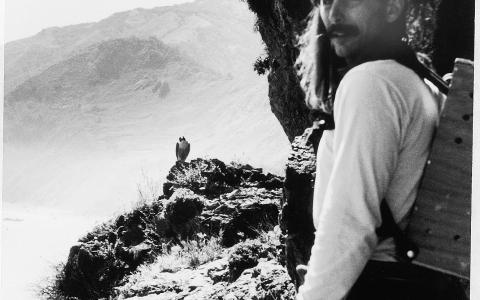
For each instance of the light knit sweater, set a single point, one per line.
(385, 117)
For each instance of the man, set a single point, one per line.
(385, 116)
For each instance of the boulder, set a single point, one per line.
(131, 232)
(266, 281)
(246, 255)
(89, 271)
(109, 252)
(183, 206)
(181, 212)
(250, 219)
(241, 214)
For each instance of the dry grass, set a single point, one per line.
(148, 189)
(190, 176)
(50, 288)
(191, 254)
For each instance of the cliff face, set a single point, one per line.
(454, 35)
(279, 22)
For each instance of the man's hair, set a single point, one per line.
(305, 64)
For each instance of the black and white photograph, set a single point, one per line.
(239, 150)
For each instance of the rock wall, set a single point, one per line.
(296, 216)
(279, 22)
(454, 36)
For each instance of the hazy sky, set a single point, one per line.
(24, 18)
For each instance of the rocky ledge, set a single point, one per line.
(210, 236)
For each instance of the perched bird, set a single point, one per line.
(182, 149)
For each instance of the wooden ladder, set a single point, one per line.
(440, 224)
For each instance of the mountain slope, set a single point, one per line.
(209, 31)
(77, 86)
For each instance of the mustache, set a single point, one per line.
(343, 29)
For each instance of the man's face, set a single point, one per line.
(354, 26)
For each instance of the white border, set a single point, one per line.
(475, 229)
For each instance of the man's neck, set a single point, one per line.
(386, 49)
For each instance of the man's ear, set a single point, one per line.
(394, 10)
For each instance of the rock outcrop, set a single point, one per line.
(109, 252)
(296, 215)
(211, 178)
(203, 197)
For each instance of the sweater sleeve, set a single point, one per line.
(366, 143)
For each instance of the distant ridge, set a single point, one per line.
(197, 29)
(102, 63)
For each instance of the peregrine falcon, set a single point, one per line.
(182, 149)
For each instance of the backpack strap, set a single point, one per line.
(405, 249)
(405, 56)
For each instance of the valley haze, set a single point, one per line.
(93, 111)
